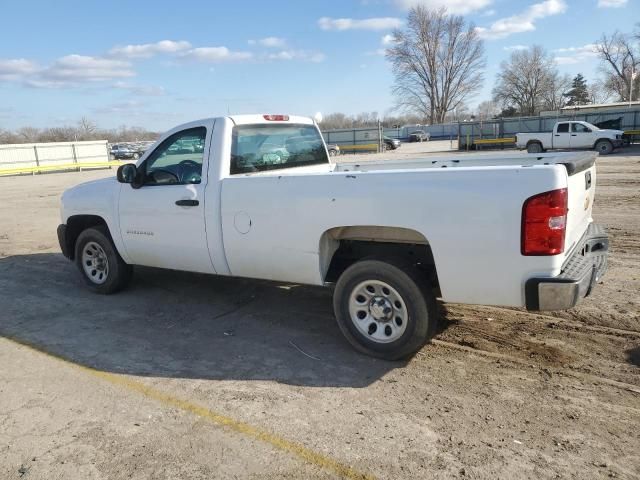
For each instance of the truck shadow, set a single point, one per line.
(174, 324)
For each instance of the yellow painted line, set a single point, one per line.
(632, 132)
(369, 146)
(296, 449)
(61, 167)
(494, 140)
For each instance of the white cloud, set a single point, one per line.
(147, 50)
(387, 40)
(129, 107)
(452, 6)
(489, 13)
(512, 48)
(75, 69)
(215, 55)
(141, 90)
(612, 3)
(315, 57)
(377, 52)
(270, 42)
(16, 68)
(573, 55)
(341, 24)
(523, 22)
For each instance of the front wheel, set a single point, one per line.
(383, 309)
(101, 266)
(604, 147)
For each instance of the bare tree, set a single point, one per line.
(598, 93)
(437, 61)
(554, 95)
(528, 81)
(86, 129)
(487, 109)
(620, 58)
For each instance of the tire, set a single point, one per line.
(604, 147)
(332, 153)
(382, 285)
(107, 273)
(534, 147)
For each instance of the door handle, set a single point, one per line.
(187, 203)
(574, 134)
(557, 134)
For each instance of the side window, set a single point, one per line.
(579, 128)
(563, 128)
(178, 160)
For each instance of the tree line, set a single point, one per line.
(84, 130)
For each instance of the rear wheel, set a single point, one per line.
(385, 310)
(101, 266)
(332, 153)
(534, 147)
(604, 147)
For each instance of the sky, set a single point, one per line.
(156, 64)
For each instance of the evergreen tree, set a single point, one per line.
(579, 93)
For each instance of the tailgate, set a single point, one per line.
(581, 190)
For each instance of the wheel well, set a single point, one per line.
(342, 247)
(534, 141)
(76, 224)
(602, 140)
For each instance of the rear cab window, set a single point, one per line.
(261, 147)
(563, 128)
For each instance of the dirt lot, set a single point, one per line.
(190, 376)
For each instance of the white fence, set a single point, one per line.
(47, 156)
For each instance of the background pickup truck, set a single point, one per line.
(263, 200)
(571, 135)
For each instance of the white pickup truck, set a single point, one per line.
(257, 196)
(571, 135)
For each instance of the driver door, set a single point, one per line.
(162, 223)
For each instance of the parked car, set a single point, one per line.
(391, 143)
(333, 150)
(571, 135)
(124, 152)
(419, 136)
(516, 237)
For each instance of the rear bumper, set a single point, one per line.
(581, 271)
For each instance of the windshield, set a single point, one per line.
(256, 148)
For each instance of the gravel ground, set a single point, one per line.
(191, 376)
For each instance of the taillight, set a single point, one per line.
(544, 223)
(277, 118)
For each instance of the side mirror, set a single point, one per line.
(127, 173)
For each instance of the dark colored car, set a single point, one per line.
(124, 152)
(419, 136)
(614, 124)
(391, 143)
